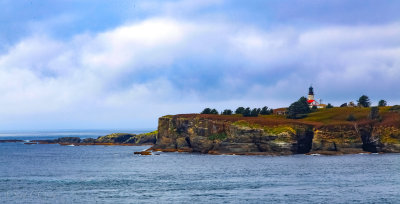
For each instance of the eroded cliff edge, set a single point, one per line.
(272, 136)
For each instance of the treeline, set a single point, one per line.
(301, 108)
(246, 112)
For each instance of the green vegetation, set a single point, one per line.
(227, 112)
(150, 133)
(364, 101)
(209, 111)
(351, 118)
(374, 114)
(343, 105)
(298, 109)
(337, 115)
(382, 103)
(314, 108)
(239, 110)
(395, 108)
(329, 106)
(266, 111)
(115, 138)
(218, 136)
(279, 129)
(244, 123)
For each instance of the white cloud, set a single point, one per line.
(130, 75)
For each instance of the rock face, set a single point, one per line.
(197, 134)
(218, 136)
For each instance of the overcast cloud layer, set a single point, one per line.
(138, 60)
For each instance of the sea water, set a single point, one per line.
(113, 174)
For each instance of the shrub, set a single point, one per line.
(351, 118)
(218, 136)
(314, 108)
(329, 106)
(343, 105)
(395, 108)
(374, 114)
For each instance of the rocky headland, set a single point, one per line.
(324, 132)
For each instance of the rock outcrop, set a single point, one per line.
(111, 139)
(224, 137)
(219, 136)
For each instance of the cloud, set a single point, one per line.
(130, 75)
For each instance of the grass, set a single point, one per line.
(322, 117)
(218, 136)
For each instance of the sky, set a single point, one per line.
(100, 64)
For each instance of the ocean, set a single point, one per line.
(51, 173)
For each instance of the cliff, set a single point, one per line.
(276, 135)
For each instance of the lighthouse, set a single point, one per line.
(311, 100)
(310, 94)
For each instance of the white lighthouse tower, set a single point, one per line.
(311, 94)
(311, 100)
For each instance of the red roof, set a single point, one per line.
(310, 101)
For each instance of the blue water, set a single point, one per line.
(113, 174)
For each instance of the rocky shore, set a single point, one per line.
(325, 132)
(271, 136)
(111, 139)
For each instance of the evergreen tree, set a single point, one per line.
(382, 103)
(364, 101)
(254, 112)
(343, 105)
(206, 111)
(265, 111)
(214, 111)
(247, 112)
(227, 112)
(239, 110)
(329, 106)
(298, 109)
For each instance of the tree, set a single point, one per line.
(247, 112)
(254, 112)
(206, 111)
(343, 105)
(298, 109)
(265, 111)
(214, 111)
(382, 103)
(374, 114)
(227, 112)
(329, 106)
(364, 101)
(239, 110)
